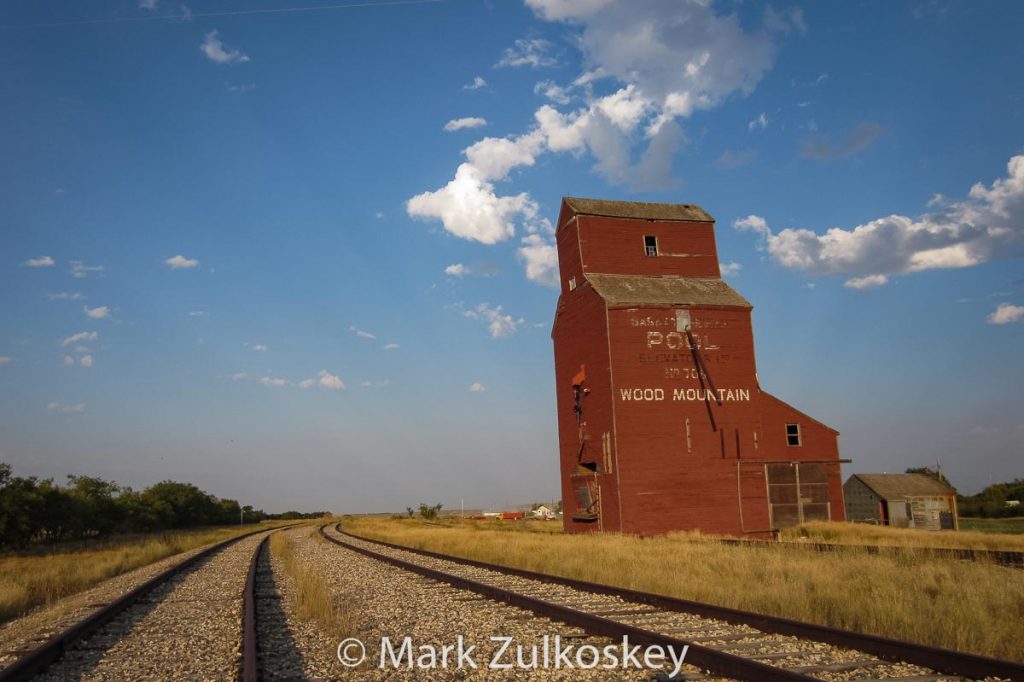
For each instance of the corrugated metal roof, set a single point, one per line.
(634, 289)
(899, 486)
(638, 209)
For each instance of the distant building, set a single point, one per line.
(901, 501)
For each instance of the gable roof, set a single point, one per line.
(638, 209)
(665, 290)
(898, 486)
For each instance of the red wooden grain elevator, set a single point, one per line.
(662, 424)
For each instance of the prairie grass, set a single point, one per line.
(975, 607)
(1012, 525)
(866, 534)
(42, 576)
(313, 602)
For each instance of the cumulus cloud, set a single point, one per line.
(97, 313)
(85, 361)
(77, 408)
(180, 261)
(272, 381)
(648, 65)
(477, 83)
(456, 270)
(215, 50)
(41, 262)
(732, 268)
(960, 234)
(534, 53)
(866, 282)
(80, 336)
(65, 296)
(80, 270)
(362, 334)
(499, 324)
(540, 257)
(330, 381)
(1006, 313)
(477, 388)
(468, 122)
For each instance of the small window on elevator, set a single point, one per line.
(650, 245)
(793, 434)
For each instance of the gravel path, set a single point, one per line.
(21, 635)
(824, 661)
(382, 601)
(190, 628)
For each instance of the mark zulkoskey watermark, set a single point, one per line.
(550, 653)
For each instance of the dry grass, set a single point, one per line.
(313, 602)
(865, 534)
(41, 578)
(973, 607)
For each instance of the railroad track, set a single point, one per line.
(179, 623)
(723, 642)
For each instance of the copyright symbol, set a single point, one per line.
(351, 652)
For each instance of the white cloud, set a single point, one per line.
(271, 381)
(307, 383)
(148, 4)
(97, 313)
(80, 336)
(68, 360)
(384, 383)
(41, 262)
(477, 388)
(390, 346)
(960, 234)
(1006, 313)
(477, 83)
(866, 282)
(664, 61)
(456, 270)
(362, 334)
(65, 296)
(4, 359)
(540, 258)
(197, 313)
(260, 348)
(528, 52)
(214, 50)
(330, 381)
(761, 122)
(80, 270)
(498, 323)
(180, 261)
(239, 376)
(554, 92)
(77, 408)
(85, 361)
(732, 268)
(468, 122)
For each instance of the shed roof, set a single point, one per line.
(638, 209)
(898, 486)
(665, 290)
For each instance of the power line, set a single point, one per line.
(203, 15)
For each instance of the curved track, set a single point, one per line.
(724, 641)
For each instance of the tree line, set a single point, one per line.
(35, 511)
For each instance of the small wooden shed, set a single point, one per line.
(901, 501)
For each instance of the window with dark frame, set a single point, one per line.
(650, 245)
(793, 434)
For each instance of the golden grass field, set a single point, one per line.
(967, 606)
(312, 597)
(864, 534)
(41, 577)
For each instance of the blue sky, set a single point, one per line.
(303, 258)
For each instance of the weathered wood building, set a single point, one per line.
(901, 501)
(662, 422)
